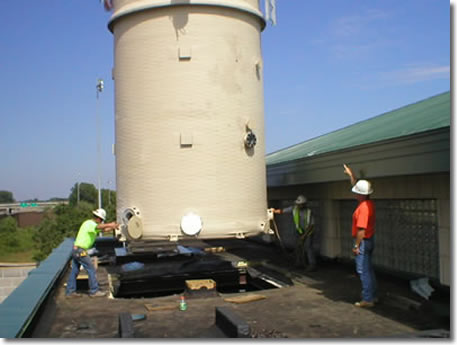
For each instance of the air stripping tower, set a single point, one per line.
(189, 120)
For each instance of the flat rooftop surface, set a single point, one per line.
(317, 305)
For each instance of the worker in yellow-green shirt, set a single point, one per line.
(85, 240)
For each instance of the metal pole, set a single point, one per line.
(99, 165)
(77, 188)
(109, 192)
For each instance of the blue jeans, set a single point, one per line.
(364, 267)
(309, 247)
(86, 262)
(305, 246)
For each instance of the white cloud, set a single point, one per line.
(356, 49)
(414, 74)
(404, 76)
(353, 25)
(359, 35)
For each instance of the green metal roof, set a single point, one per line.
(426, 115)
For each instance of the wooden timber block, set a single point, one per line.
(214, 249)
(82, 281)
(200, 288)
(244, 299)
(198, 284)
(154, 307)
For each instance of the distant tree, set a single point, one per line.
(109, 204)
(57, 199)
(87, 192)
(64, 221)
(32, 200)
(108, 197)
(69, 219)
(6, 196)
(8, 232)
(46, 238)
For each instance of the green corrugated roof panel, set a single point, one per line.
(429, 114)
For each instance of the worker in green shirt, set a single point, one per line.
(304, 224)
(85, 240)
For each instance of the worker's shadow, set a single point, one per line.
(180, 18)
(337, 281)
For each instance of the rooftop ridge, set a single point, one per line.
(424, 115)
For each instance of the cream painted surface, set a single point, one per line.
(188, 80)
(330, 232)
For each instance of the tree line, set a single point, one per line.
(59, 222)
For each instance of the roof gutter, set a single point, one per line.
(423, 153)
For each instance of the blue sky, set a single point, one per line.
(327, 64)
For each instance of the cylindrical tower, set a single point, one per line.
(189, 118)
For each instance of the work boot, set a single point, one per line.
(375, 299)
(73, 295)
(364, 304)
(98, 294)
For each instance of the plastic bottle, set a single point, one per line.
(182, 304)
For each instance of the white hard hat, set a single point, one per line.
(362, 187)
(100, 213)
(300, 200)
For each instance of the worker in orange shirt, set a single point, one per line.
(363, 231)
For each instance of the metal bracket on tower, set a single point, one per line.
(173, 238)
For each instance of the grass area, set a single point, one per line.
(23, 252)
(18, 257)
